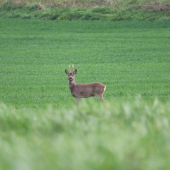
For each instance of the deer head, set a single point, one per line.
(71, 73)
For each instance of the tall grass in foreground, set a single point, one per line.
(121, 135)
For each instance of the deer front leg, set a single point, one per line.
(100, 97)
(78, 101)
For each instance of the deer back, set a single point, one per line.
(87, 90)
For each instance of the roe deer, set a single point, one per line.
(79, 91)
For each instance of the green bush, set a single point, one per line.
(132, 12)
(7, 6)
(91, 16)
(76, 14)
(54, 16)
(104, 10)
(64, 16)
(33, 7)
(44, 15)
(14, 15)
(26, 16)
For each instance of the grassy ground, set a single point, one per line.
(130, 132)
(130, 58)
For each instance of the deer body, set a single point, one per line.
(79, 91)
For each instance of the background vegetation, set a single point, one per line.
(87, 3)
(86, 10)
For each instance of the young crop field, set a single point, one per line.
(41, 126)
(130, 58)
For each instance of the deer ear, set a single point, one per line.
(75, 71)
(66, 71)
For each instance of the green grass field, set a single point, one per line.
(41, 126)
(130, 58)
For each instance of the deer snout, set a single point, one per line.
(70, 78)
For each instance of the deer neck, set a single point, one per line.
(72, 84)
